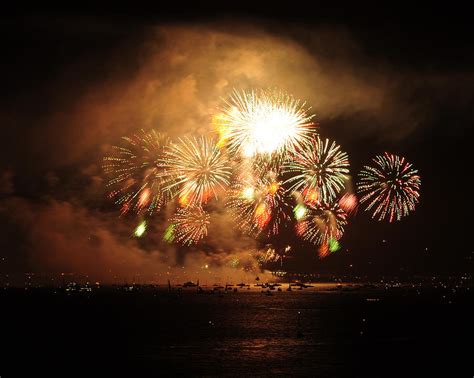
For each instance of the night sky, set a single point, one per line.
(397, 80)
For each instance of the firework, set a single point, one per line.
(300, 211)
(259, 205)
(323, 251)
(348, 203)
(188, 225)
(134, 172)
(266, 255)
(322, 223)
(195, 169)
(140, 230)
(168, 236)
(334, 245)
(319, 170)
(263, 122)
(247, 262)
(390, 187)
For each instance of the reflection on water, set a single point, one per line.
(302, 333)
(313, 333)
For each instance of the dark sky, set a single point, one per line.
(398, 80)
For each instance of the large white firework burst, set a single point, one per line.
(263, 122)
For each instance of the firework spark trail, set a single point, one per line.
(134, 172)
(348, 203)
(319, 167)
(195, 169)
(263, 122)
(391, 187)
(140, 229)
(334, 245)
(188, 225)
(323, 251)
(322, 223)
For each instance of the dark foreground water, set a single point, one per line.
(367, 332)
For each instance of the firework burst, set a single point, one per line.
(188, 225)
(134, 172)
(266, 255)
(322, 223)
(259, 204)
(263, 122)
(319, 170)
(390, 187)
(195, 169)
